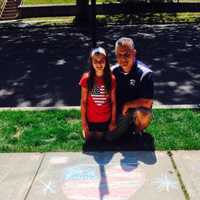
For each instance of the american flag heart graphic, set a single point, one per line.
(99, 95)
(90, 182)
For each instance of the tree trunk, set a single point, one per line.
(83, 15)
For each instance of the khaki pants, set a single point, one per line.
(136, 120)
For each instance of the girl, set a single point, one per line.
(98, 104)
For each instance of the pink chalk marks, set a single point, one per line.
(87, 182)
(59, 160)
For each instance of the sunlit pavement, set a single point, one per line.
(100, 175)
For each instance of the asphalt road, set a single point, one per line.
(41, 66)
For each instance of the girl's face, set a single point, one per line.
(99, 63)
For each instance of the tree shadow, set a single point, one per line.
(42, 65)
(38, 68)
(171, 51)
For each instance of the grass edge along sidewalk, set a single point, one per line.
(60, 130)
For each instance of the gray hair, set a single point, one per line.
(124, 41)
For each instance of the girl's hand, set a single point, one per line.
(86, 131)
(112, 126)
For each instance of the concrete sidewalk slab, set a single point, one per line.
(17, 172)
(106, 176)
(188, 164)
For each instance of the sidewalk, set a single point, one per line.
(100, 175)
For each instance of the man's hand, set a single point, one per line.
(125, 109)
(145, 103)
(112, 126)
(142, 119)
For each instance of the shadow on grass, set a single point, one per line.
(128, 142)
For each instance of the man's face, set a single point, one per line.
(125, 57)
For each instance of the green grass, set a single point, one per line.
(40, 131)
(147, 18)
(152, 18)
(1, 2)
(178, 129)
(157, 18)
(48, 21)
(35, 2)
(56, 130)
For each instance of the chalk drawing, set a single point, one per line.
(59, 160)
(164, 183)
(34, 157)
(81, 172)
(86, 182)
(48, 188)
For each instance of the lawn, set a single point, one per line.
(155, 18)
(147, 18)
(1, 2)
(35, 2)
(60, 130)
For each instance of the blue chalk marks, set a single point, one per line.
(81, 172)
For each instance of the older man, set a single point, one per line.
(134, 90)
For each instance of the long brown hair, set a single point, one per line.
(106, 75)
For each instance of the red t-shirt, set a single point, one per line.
(98, 101)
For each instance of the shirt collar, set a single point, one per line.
(133, 69)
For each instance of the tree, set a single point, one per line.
(83, 15)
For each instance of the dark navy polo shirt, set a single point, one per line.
(138, 83)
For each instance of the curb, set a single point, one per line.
(179, 106)
(182, 106)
